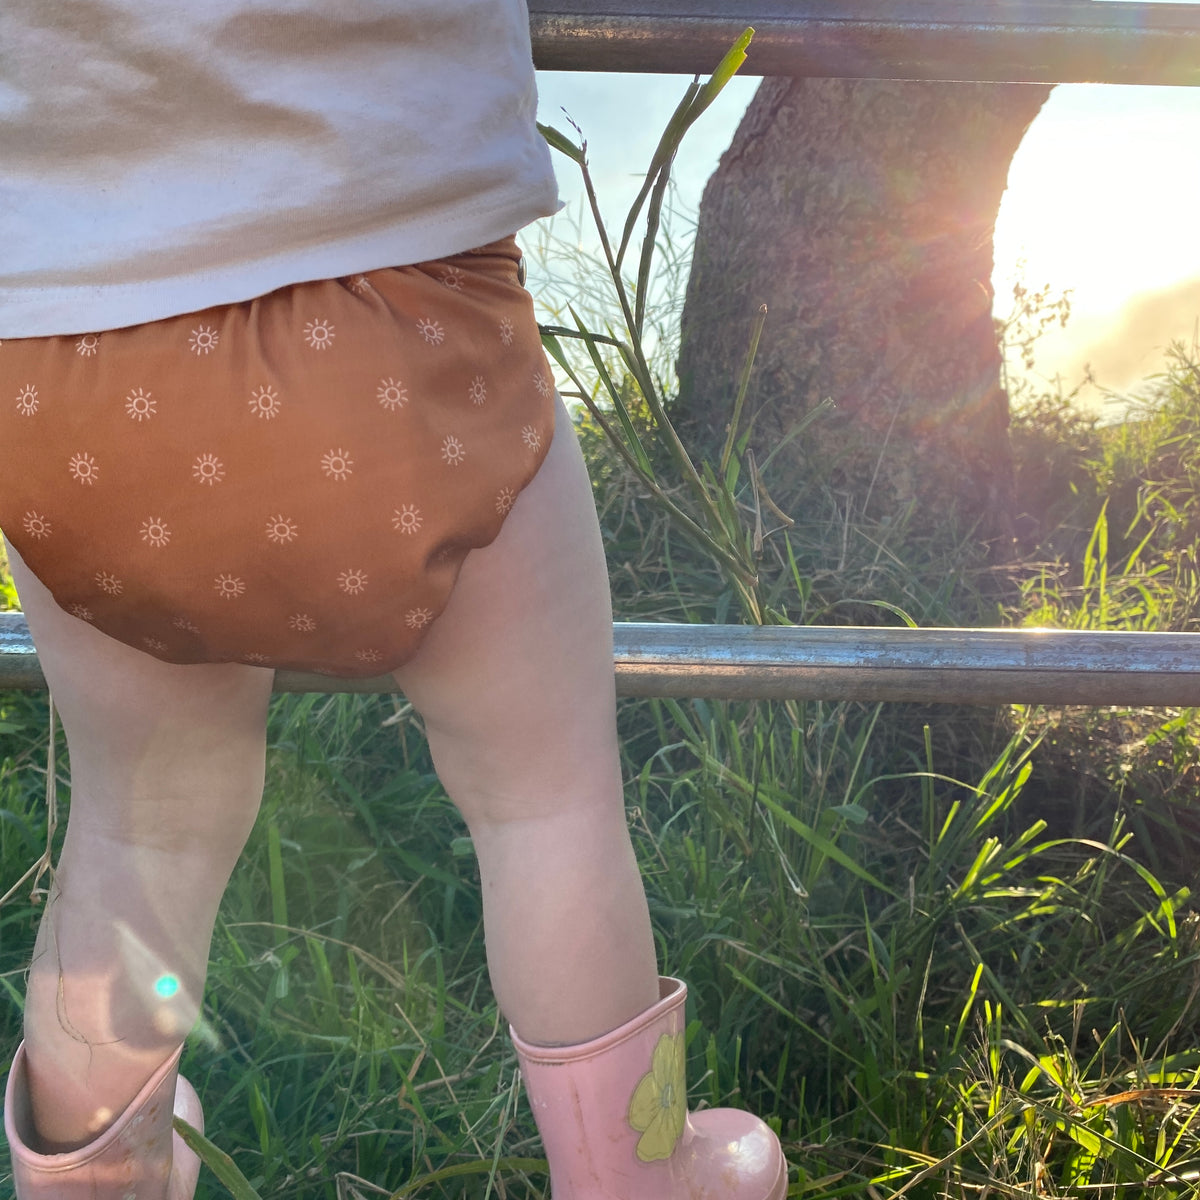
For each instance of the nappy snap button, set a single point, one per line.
(521, 270)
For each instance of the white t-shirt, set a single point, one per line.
(162, 156)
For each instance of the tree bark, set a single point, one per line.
(861, 213)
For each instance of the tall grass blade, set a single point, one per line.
(216, 1160)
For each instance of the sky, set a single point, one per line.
(1103, 200)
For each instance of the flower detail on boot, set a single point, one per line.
(658, 1108)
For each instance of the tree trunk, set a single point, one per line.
(861, 213)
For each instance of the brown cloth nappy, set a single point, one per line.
(290, 482)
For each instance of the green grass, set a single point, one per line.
(908, 976)
(945, 954)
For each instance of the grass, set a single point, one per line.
(946, 955)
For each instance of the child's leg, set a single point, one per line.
(515, 684)
(167, 772)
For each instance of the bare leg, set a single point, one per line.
(167, 773)
(515, 684)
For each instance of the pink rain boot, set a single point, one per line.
(614, 1120)
(131, 1160)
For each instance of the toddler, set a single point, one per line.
(272, 396)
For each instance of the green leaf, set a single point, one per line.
(562, 143)
(217, 1161)
(826, 847)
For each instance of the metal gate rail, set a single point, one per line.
(740, 662)
(1020, 41)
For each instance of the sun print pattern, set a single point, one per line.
(264, 402)
(208, 468)
(431, 331)
(36, 525)
(155, 532)
(476, 392)
(229, 587)
(353, 583)
(337, 464)
(407, 518)
(83, 468)
(140, 405)
(319, 334)
(392, 393)
(281, 530)
(203, 340)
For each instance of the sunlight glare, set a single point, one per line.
(166, 986)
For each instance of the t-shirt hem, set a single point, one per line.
(48, 312)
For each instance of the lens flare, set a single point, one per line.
(166, 986)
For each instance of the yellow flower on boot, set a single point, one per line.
(658, 1108)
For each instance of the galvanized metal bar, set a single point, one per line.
(1019, 41)
(960, 666)
(738, 662)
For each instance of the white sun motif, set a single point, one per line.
(531, 437)
(155, 531)
(208, 468)
(302, 623)
(186, 625)
(36, 525)
(203, 339)
(27, 400)
(82, 612)
(107, 582)
(319, 334)
(281, 530)
(153, 643)
(83, 468)
(368, 656)
(478, 390)
(265, 403)
(88, 345)
(452, 277)
(255, 657)
(139, 405)
(504, 501)
(418, 618)
(353, 582)
(392, 394)
(431, 331)
(359, 284)
(541, 383)
(453, 451)
(229, 587)
(337, 464)
(407, 518)
(506, 332)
